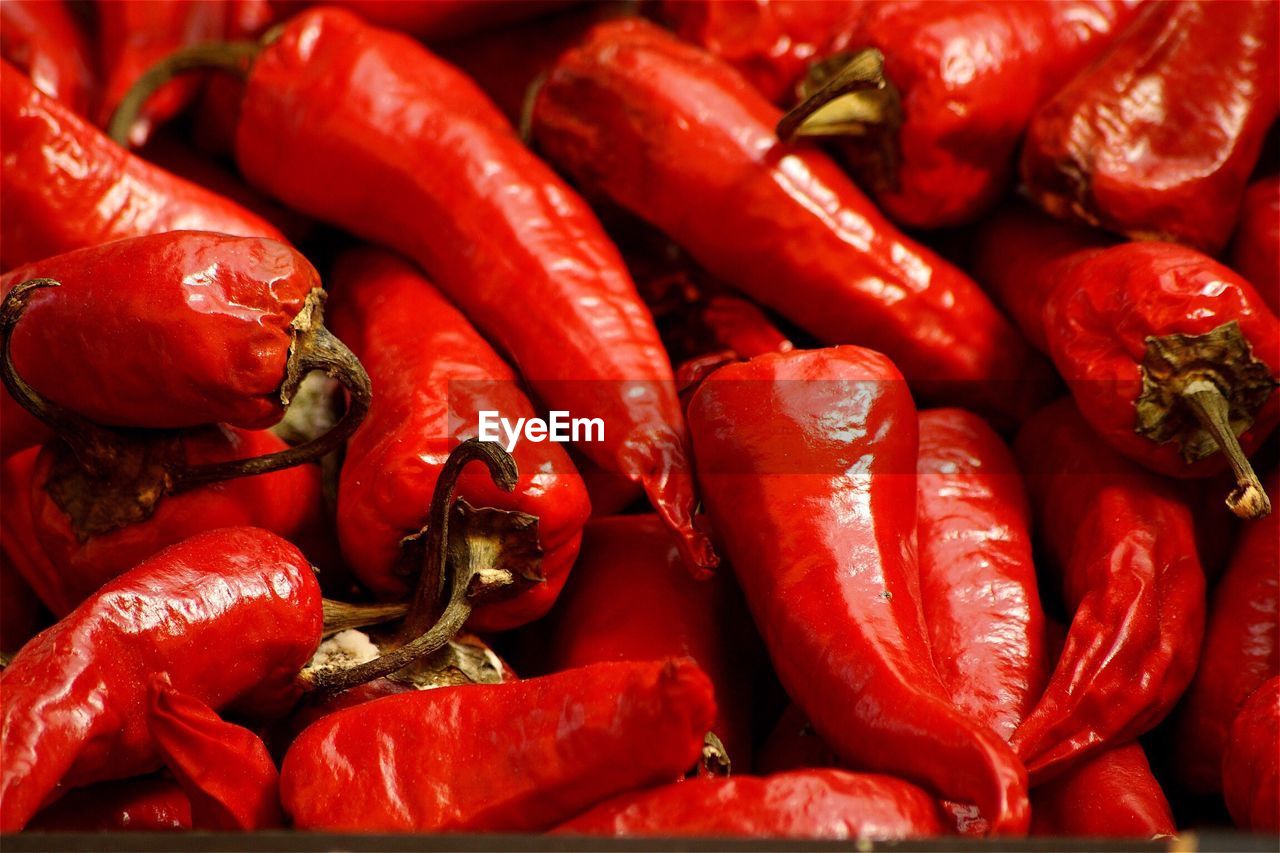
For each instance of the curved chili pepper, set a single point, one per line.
(1122, 543)
(630, 599)
(505, 757)
(1241, 650)
(1157, 139)
(933, 124)
(146, 804)
(826, 557)
(1112, 794)
(43, 39)
(434, 375)
(1255, 249)
(800, 804)
(678, 138)
(224, 769)
(1251, 763)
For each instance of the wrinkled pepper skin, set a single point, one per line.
(977, 580)
(144, 804)
(230, 616)
(1157, 139)
(434, 374)
(630, 599)
(1241, 650)
(437, 167)
(801, 804)
(67, 186)
(807, 462)
(224, 769)
(970, 76)
(770, 42)
(523, 756)
(1122, 543)
(1255, 250)
(679, 138)
(1251, 764)
(1112, 795)
(42, 38)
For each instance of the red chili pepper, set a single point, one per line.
(1112, 794)
(42, 38)
(793, 745)
(934, 102)
(434, 375)
(630, 599)
(512, 757)
(678, 138)
(826, 557)
(1122, 543)
(800, 804)
(1241, 650)
(1157, 139)
(1255, 250)
(146, 804)
(1251, 764)
(224, 769)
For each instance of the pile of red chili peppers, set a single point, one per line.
(933, 350)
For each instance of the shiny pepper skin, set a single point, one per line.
(807, 462)
(678, 138)
(1251, 764)
(1255, 250)
(42, 38)
(230, 616)
(434, 373)
(1157, 139)
(800, 804)
(523, 756)
(67, 186)
(1122, 543)
(143, 804)
(1112, 794)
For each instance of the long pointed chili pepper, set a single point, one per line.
(1121, 542)
(807, 462)
(142, 804)
(799, 804)
(941, 93)
(42, 38)
(505, 757)
(1112, 794)
(1251, 763)
(678, 138)
(1255, 249)
(1157, 139)
(435, 374)
(438, 174)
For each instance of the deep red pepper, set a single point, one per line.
(1111, 794)
(434, 374)
(793, 745)
(523, 756)
(800, 804)
(1255, 249)
(1121, 541)
(144, 804)
(1251, 763)
(1241, 650)
(42, 38)
(678, 138)
(1158, 138)
(826, 557)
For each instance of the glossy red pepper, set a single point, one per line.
(224, 769)
(512, 757)
(679, 139)
(1112, 794)
(1241, 650)
(1251, 764)
(230, 616)
(1255, 249)
(1157, 139)
(630, 599)
(144, 804)
(435, 374)
(1121, 542)
(42, 38)
(807, 462)
(800, 804)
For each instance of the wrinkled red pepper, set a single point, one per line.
(512, 757)
(826, 557)
(1122, 543)
(144, 804)
(1158, 138)
(1251, 763)
(1112, 794)
(678, 138)
(42, 38)
(801, 804)
(1255, 250)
